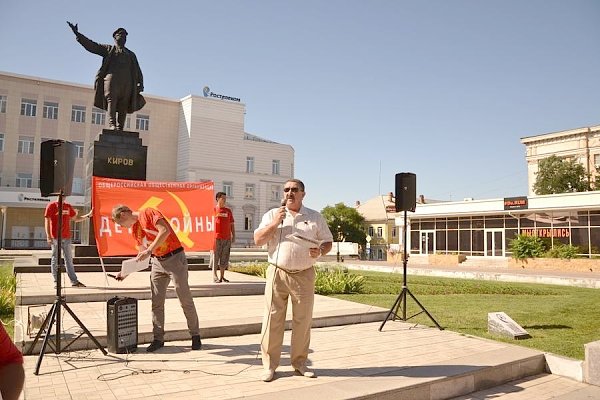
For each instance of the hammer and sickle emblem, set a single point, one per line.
(182, 235)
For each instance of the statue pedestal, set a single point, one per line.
(114, 154)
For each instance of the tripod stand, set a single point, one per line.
(401, 299)
(59, 302)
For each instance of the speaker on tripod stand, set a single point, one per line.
(57, 162)
(406, 200)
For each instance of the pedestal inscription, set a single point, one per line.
(115, 154)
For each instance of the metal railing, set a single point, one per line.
(28, 244)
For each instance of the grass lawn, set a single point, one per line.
(7, 297)
(560, 319)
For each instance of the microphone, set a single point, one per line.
(283, 203)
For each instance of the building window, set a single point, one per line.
(228, 188)
(249, 164)
(275, 167)
(24, 180)
(249, 193)
(248, 222)
(379, 231)
(50, 110)
(394, 231)
(98, 116)
(78, 114)
(28, 107)
(25, 145)
(77, 187)
(2, 104)
(78, 149)
(142, 122)
(275, 192)
(597, 160)
(371, 232)
(1, 141)
(128, 122)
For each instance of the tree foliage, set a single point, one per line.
(559, 175)
(345, 222)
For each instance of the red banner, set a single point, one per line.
(187, 206)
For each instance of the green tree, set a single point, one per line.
(346, 222)
(559, 175)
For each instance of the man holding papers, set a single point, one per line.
(295, 237)
(156, 239)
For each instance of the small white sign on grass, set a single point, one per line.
(501, 324)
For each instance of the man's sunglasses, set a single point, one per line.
(292, 189)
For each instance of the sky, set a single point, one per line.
(361, 90)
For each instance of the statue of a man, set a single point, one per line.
(119, 80)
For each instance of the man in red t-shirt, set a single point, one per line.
(156, 239)
(12, 374)
(224, 236)
(51, 226)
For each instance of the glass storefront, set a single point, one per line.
(490, 235)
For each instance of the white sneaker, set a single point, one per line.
(306, 372)
(267, 375)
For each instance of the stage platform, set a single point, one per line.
(351, 357)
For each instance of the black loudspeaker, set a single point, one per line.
(121, 325)
(406, 191)
(57, 163)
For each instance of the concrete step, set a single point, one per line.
(101, 292)
(436, 380)
(45, 261)
(25, 269)
(355, 361)
(244, 317)
(244, 296)
(539, 387)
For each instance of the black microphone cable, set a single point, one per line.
(268, 322)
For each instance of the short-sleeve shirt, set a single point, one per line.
(223, 222)
(9, 353)
(144, 231)
(286, 253)
(51, 213)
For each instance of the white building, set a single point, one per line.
(581, 145)
(485, 227)
(191, 139)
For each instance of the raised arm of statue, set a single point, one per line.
(73, 27)
(91, 46)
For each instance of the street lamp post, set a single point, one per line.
(338, 243)
(3, 212)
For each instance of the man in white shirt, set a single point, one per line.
(290, 274)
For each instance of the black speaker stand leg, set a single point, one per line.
(401, 302)
(423, 309)
(54, 314)
(87, 332)
(401, 298)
